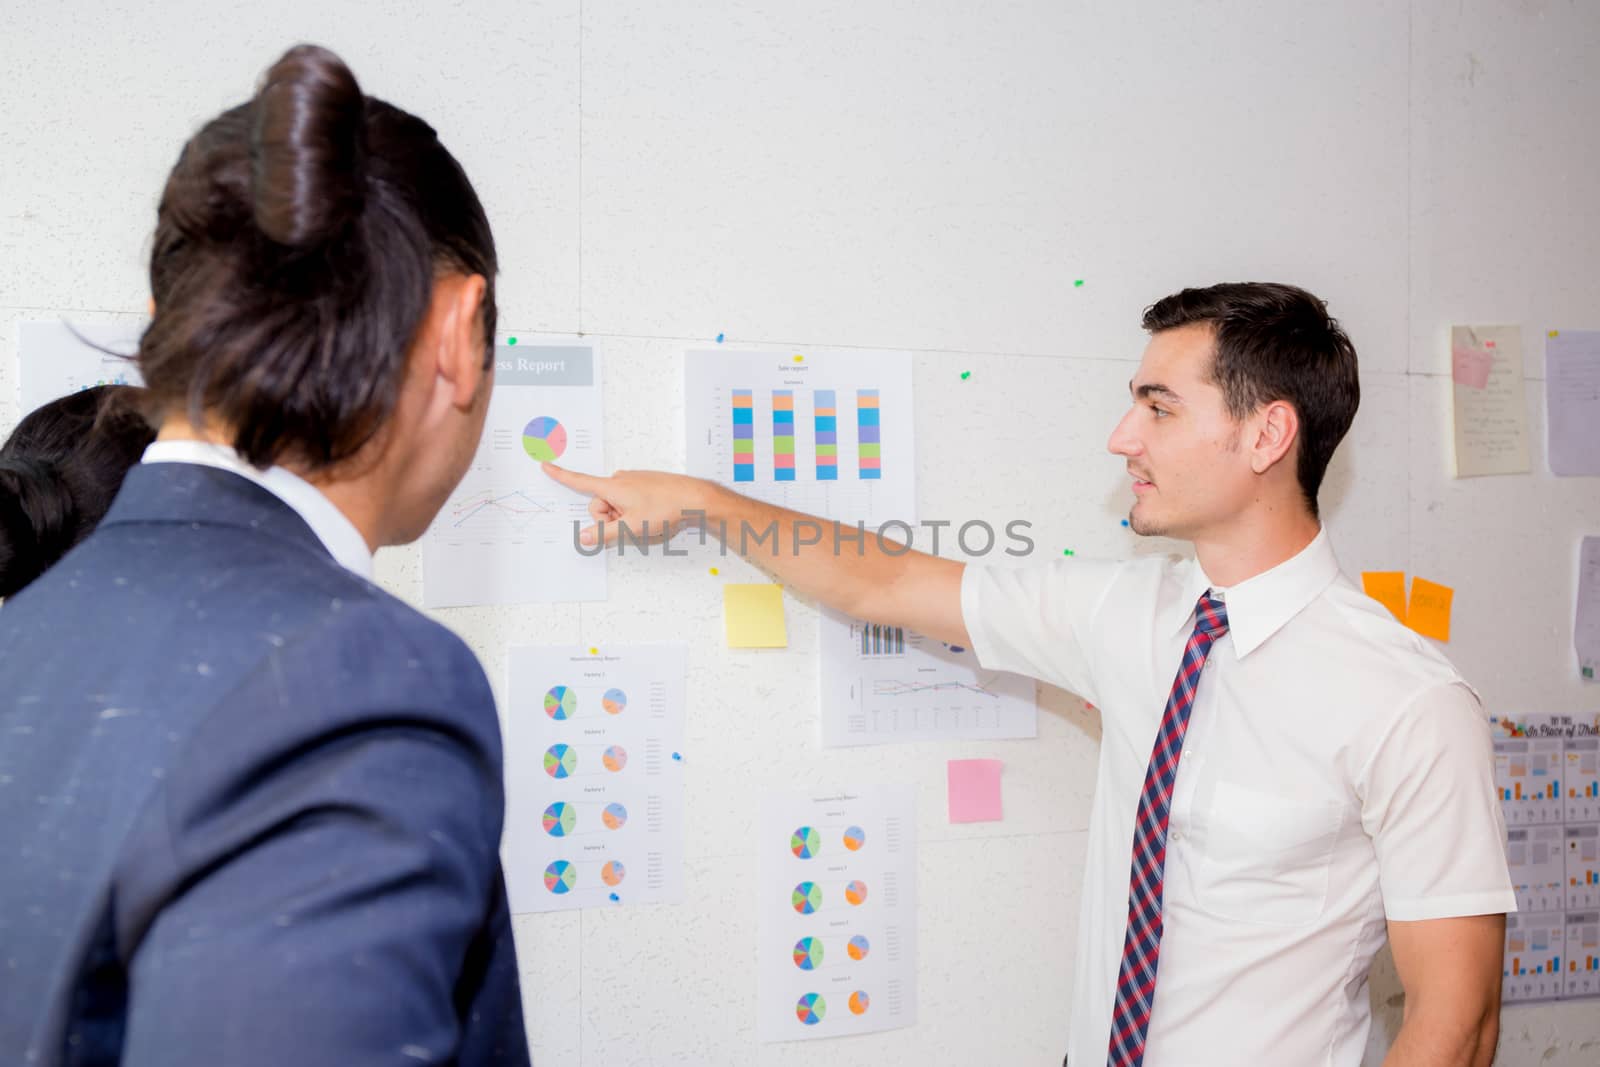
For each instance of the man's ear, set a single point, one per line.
(1277, 430)
(458, 299)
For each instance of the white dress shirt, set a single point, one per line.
(337, 533)
(1337, 773)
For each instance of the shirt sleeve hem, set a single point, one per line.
(972, 616)
(1497, 902)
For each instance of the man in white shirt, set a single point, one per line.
(1319, 777)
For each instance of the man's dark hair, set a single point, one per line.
(1276, 342)
(295, 251)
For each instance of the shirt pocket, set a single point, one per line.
(1265, 858)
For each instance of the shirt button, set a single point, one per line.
(1177, 835)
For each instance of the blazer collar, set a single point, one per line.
(190, 493)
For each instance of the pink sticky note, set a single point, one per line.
(1470, 367)
(975, 790)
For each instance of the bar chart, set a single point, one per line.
(824, 433)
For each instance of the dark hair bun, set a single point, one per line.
(307, 149)
(38, 520)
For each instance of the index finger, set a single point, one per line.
(583, 483)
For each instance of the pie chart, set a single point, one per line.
(856, 892)
(614, 701)
(858, 1002)
(613, 873)
(559, 819)
(615, 758)
(807, 897)
(614, 816)
(808, 953)
(811, 1008)
(854, 838)
(560, 703)
(544, 439)
(560, 761)
(859, 947)
(804, 842)
(560, 876)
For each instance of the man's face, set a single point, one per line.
(1184, 452)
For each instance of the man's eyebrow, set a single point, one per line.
(1154, 389)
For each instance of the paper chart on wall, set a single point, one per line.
(882, 684)
(594, 776)
(826, 433)
(1572, 401)
(1586, 616)
(1547, 770)
(838, 913)
(507, 533)
(56, 358)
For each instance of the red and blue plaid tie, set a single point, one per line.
(1141, 948)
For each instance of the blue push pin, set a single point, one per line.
(1124, 522)
(615, 897)
(677, 757)
(719, 338)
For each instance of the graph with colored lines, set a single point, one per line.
(882, 684)
(507, 533)
(1546, 777)
(594, 776)
(837, 913)
(827, 433)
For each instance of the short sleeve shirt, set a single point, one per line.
(1337, 773)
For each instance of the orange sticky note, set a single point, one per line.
(974, 790)
(1387, 588)
(752, 616)
(1429, 611)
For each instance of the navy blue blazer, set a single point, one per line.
(250, 804)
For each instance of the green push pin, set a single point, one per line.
(965, 375)
(511, 341)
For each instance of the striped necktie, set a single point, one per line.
(1141, 947)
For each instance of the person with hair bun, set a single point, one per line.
(251, 803)
(59, 470)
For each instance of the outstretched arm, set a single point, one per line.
(846, 570)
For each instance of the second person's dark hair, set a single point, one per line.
(1276, 342)
(295, 250)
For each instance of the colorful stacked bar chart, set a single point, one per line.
(868, 427)
(783, 435)
(827, 427)
(878, 640)
(744, 440)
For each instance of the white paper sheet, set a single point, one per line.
(872, 476)
(594, 776)
(506, 535)
(57, 358)
(838, 913)
(1586, 618)
(879, 685)
(1490, 410)
(1549, 782)
(1572, 400)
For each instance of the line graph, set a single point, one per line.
(894, 687)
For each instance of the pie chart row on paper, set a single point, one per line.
(544, 439)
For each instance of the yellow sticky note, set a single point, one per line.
(1429, 612)
(1387, 588)
(753, 616)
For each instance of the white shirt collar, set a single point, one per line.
(337, 533)
(1259, 606)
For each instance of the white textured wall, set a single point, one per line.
(932, 176)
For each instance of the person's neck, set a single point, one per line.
(356, 496)
(1254, 544)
